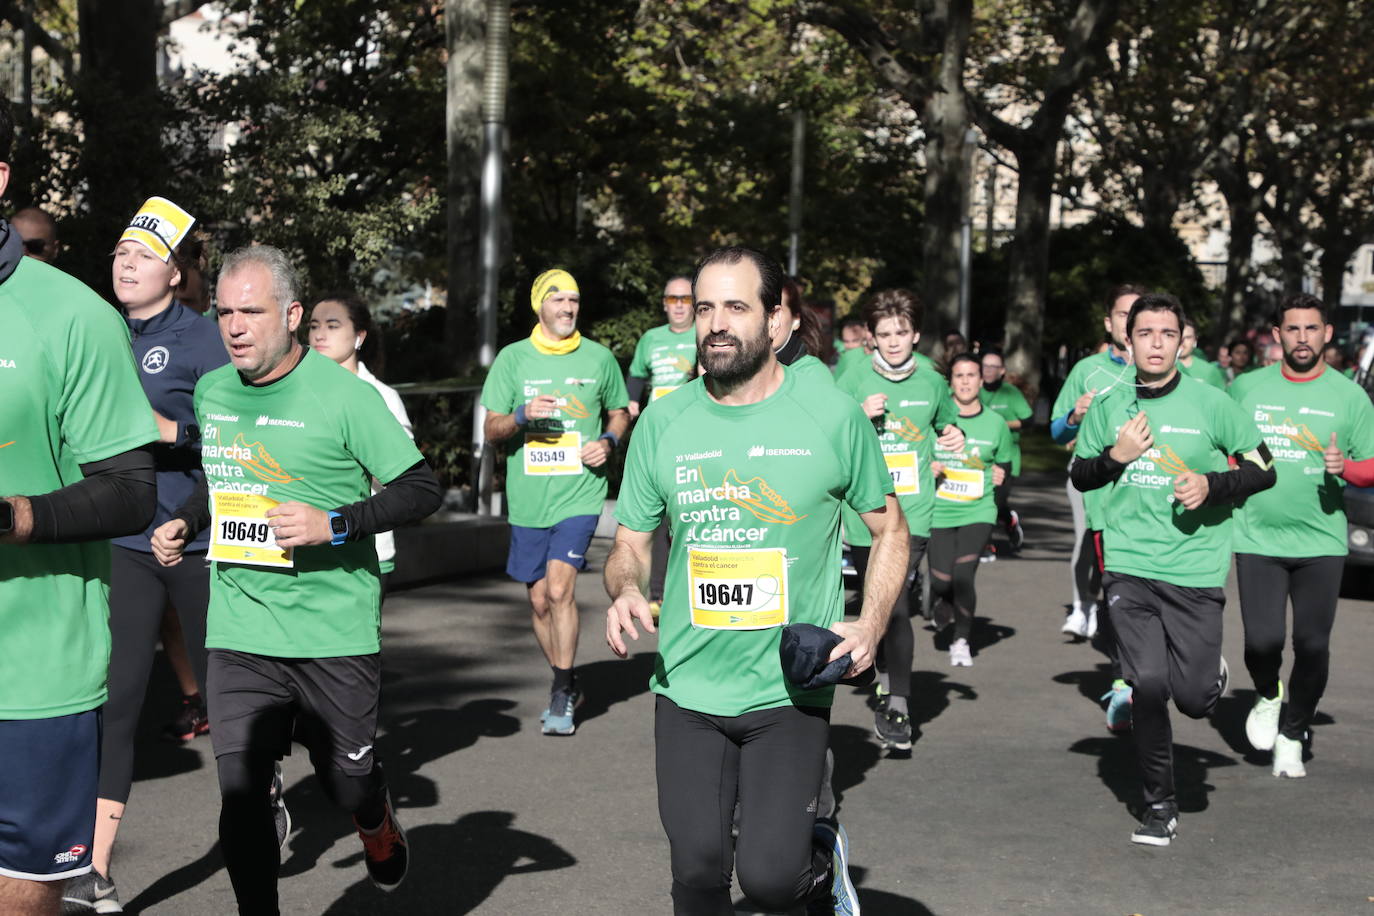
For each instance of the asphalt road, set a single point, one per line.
(1014, 799)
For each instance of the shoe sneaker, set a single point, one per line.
(1262, 725)
(1158, 827)
(386, 851)
(893, 729)
(1090, 628)
(190, 721)
(959, 655)
(1288, 758)
(877, 700)
(90, 893)
(558, 719)
(280, 816)
(844, 900)
(1016, 535)
(1076, 624)
(1119, 700)
(577, 703)
(988, 555)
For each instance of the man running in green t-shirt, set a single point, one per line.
(1158, 448)
(294, 623)
(76, 467)
(1190, 363)
(1007, 402)
(546, 396)
(665, 355)
(1290, 541)
(750, 464)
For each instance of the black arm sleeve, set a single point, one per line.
(195, 512)
(409, 498)
(634, 385)
(1092, 473)
(1254, 471)
(117, 496)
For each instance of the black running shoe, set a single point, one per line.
(386, 851)
(90, 893)
(893, 729)
(1016, 535)
(191, 721)
(280, 816)
(1158, 827)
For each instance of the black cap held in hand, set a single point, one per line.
(804, 651)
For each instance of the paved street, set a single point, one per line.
(1014, 799)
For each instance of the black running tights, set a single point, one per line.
(1087, 569)
(898, 648)
(954, 556)
(1266, 584)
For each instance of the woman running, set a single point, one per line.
(965, 507)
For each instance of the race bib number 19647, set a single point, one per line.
(240, 533)
(737, 589)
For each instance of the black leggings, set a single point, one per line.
(953, 564)
(898, 648)
(140, 589)
(1001, 497)
(1266, 584)
(771, 761)
(1087, 569)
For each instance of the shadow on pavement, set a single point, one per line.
(1116, 767)
(607, 683)
(177, 882)
(155, 757)
(873, 902)
(856, 752)
(455, 867)
(1091, 684)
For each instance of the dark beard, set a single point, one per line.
(1292, 363)
(730, 371)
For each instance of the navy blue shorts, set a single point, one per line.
(47, 795)
(531, 549)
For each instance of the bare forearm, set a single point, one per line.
(886, 571)
(499, 427)
(617, 423)
(626, 569)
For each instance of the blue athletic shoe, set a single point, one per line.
(558, 718)
(1119, 707)
(844, 900)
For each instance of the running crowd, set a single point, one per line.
(226, 486)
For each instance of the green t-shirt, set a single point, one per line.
(1145, 531)
(1010, 404)
(1098, 372)
(317, 435)
(1204, 371)
(917, 409)
(69, 395)
(546, 481)
(1303, 514)
(665, 357)
(965, 492)
(753, 496)
(810, 369)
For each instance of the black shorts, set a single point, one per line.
(259, 703)
(47, 795)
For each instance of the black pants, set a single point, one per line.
(1170, 642)
(954, 556)
(1001, 497)
(1105, 631)
(771, 761)
(1087, 567)
(140, 589)
(898, 648)
(1266, 585)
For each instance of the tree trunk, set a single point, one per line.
(1028, 262)
(1161, 199)
(1332, 265)
(1243, 225)
(464, 23)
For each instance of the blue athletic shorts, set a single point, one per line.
(50, 771)
(531, 549)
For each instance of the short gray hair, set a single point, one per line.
(285, 280)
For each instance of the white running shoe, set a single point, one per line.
(1090, 628)
(1262, 725)
(959, 655)
(1288, 758)
(1076, 624)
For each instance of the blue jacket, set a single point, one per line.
(174, 349)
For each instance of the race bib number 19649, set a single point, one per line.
(240, 533)
(737, 589)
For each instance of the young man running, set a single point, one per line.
(907, 405)
(1010, 404)
(750, 467)
(1158, 449)
(294, 628)
(1198, 367)
(547, 395)
(1290, 541)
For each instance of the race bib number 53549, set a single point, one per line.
(737, 589)
(553, 454)
(240, 532)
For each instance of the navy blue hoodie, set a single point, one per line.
(174, 349)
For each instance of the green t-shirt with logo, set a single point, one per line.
(753, 495)
(1303, 514)
(964, 494)
(546, 481)
(317, 435)
(1204, 371)
(665, 357)
(1145, 531)
(1098, 372)
(69, 395)
(1010, 404)
(918, 407)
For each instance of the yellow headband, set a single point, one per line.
(160, 225)
(548, 283)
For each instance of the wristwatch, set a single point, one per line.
(6, 517)
(338, 529)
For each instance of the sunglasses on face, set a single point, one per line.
(677, 300)
(36, 246)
